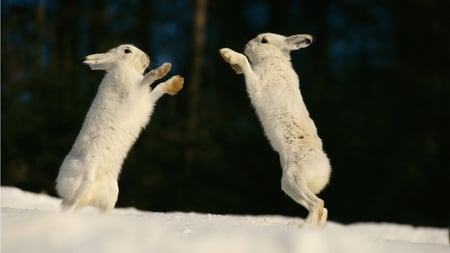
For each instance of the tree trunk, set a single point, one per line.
(196, 75)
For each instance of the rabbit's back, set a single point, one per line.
(117, 115)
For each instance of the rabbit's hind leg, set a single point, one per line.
(298, 190)
(318, 214)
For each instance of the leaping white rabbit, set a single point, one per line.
(273, 88)
(121, 109)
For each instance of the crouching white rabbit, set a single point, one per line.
(273, 88)
(120, 110)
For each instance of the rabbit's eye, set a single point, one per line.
(127, 51)
(264, 41)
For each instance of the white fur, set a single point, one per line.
(121, 109)
(273, 87)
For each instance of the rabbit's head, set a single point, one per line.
(123, 54)
(271, 45)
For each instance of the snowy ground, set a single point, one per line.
(34, 223)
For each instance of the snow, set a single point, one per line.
(33, 222)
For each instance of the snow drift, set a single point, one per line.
(34, 223)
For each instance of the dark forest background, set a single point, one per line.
(376, 82)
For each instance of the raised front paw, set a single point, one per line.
(156, 74)
(174, 85)
(161, 71)
(236, 60)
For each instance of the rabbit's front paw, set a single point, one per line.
(161, 71)
(156, 74)
(174, 85)
(236, 60)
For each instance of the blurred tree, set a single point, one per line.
(194, 87)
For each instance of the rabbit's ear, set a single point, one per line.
(298, 41)
(98, 61)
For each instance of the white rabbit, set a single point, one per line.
(273, 88)
(121, 109)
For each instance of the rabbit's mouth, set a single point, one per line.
(145, 63)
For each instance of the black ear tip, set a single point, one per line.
(309, 40)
